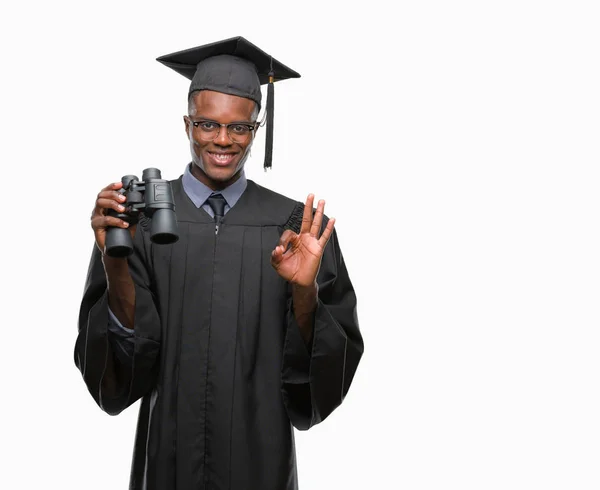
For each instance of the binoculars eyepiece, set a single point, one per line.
(152, 196)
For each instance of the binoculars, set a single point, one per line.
(152, 196)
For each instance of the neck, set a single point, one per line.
(215, 185)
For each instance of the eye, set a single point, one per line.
(206, 125)
(240, 128)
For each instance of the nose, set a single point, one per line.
(222, 138)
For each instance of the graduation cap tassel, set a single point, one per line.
(270, 114)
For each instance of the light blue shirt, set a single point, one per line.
(198, 194)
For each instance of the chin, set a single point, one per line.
(218, 174)
(221, 174)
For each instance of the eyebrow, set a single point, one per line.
(208, 119)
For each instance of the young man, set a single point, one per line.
(241, 330)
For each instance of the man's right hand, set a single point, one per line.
(108, 198)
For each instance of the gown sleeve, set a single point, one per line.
(316, 379)
(118, 367)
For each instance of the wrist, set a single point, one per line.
(306, 290)
(305, 300)
(115, 267)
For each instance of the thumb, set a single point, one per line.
(286, 238)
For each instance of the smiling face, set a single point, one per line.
(218, 163)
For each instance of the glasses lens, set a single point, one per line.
(207, 130)
(239, 133)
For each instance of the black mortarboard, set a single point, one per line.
(234, 66)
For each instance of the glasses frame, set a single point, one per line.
(253, 126)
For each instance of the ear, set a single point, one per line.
(255, 115)
(187, 122)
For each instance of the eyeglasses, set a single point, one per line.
(209, 130)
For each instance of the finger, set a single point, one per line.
(327, 233)
(315, 229)
(277, 255)
(280, 250)
(117, 196)
(308, 212)
(113, 187)
(109, 195)
(104, 204)
(285, 239)
(102, 222)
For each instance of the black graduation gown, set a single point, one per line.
(219, 362)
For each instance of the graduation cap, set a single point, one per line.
(234, 66)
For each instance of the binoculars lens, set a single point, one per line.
(118, 243)
(164, 227)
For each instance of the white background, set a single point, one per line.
(456, 143)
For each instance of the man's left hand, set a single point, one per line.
(297, 257)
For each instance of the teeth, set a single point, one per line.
(222, 158)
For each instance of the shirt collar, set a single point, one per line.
(199, 192)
